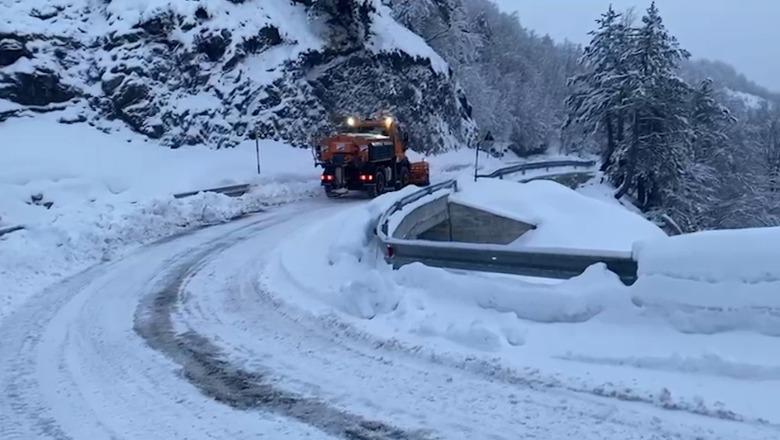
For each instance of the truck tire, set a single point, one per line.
(404, 178)
(330, 194)
(379, 185)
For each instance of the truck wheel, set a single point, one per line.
(405, 177)
(331, 194)
(379, 186)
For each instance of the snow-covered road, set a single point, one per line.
(181, 339)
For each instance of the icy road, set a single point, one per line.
(180, 340)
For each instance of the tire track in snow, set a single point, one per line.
(204, 366)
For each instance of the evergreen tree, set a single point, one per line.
(708, 168)
(651, 162)
(597, 101)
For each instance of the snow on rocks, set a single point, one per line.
(211, 71)
(390, 36)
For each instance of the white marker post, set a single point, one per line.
(253, 135)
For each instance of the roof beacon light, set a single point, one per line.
(351, 121)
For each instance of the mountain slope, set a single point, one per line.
(210, 71)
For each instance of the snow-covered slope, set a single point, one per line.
(210, 71)
(749, 101)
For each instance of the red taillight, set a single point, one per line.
(326, 178)
(366, 177)
(390, 251)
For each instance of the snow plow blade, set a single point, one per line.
(420, 174)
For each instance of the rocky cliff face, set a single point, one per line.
(211, 71)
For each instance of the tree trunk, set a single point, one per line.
(606, 160)
(631, 163)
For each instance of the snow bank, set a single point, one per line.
(747, 256)
(564, 218)
(77, 165)
(86, 196)
(712, 282)
(337, 264)
(664, 344)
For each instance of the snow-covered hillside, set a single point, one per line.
(748, 100)
(211, 71)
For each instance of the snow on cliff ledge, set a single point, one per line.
(212, 71)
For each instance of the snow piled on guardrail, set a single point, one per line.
(338, 263)
(564, 218)
(747, 256)
(650, 342)
(712, 282)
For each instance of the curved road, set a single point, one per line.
(180, 339)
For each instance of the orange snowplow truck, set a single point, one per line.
(370, 156)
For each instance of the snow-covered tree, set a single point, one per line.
(709, 164)
(597, 100)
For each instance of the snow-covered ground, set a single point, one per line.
(300, 299)
(110, 192)
(697, 333)
(564, 218)
(181, 340)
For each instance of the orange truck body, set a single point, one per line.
(368, 156)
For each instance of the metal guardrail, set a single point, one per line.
(384, 220)
(523, 167)
(230, 191)
(8, 230)
(546, 263)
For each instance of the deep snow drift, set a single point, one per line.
(564, 218)
(589, 334)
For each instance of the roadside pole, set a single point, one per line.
(487, 140)
(253, 135)
(476, 162)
